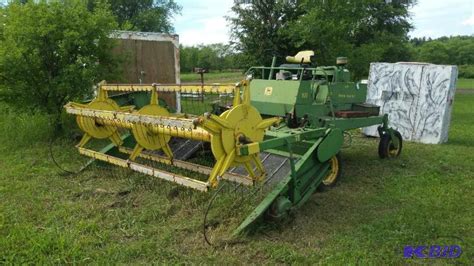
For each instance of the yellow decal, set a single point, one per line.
(346, 95)
(268, 91)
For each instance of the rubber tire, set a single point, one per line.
(385, 141)
(322, 186)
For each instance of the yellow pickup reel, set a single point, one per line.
(153, 126)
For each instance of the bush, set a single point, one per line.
(52, 52)
(466, 71)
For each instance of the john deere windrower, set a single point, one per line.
(282, 127)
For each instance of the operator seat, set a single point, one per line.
(301, 57)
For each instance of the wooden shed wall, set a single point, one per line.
(149, 61)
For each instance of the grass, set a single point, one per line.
(465, 84)
(108, 215)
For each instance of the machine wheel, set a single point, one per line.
(335, 171)
(387, 148)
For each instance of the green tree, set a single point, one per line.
(188, 58)
(216, 56)
(364, 30)
(454, 50)
(2, 20)
(143, 15)
(461, 49)
(259, 29)
(434, 52)
(53, 52)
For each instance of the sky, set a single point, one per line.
(203, 21)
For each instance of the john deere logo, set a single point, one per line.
(268, 91)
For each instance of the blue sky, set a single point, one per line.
(202, 21)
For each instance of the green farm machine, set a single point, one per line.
(281, 128)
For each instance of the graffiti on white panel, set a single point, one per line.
(417, 98)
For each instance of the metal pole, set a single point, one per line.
(271, 69)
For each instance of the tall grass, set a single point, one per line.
(19, 129)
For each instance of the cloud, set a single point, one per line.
(469, 21)
(203, 22)
(436, 18)
(207, 31)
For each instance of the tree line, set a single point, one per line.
(453, 50)
(213, 57)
